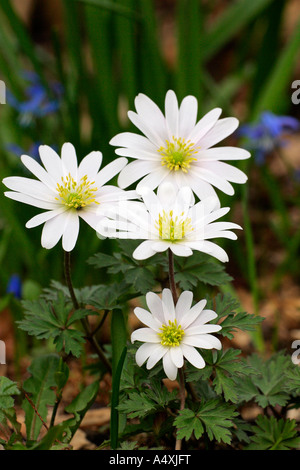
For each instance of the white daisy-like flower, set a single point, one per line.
(169, 219)
(173, 333)
(175, 147)
(67, 192)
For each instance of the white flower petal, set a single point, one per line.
(204, 341)
(134, 171)
(167, 194)
(183, 305)
(31, 201)
(155, 306)
(187, 116)
(229, 172)
(191, 315)
(193, 356)
(38, 171)
(151, 115)
(222, 129)
(172, 114)
(71, 231)
(143, 251)
(147, 319)
(160, 246)
(168, 306)
(146, 129)
(179, 249)
(143, 353)
(169, 366)
(31, 187)
(154, 179)
(205, 316)
(43, 217)
(223, 153)
(90, 165)
(110, 171)
(202, 329)
(156, 355)
(204, 125)
(69, 160)
(53, 231)
(51, 161)
(134, 141)
(146, 335)
(177, 356)
(209, 248)
(213, 179)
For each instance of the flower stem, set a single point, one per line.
(172, 276)
(85, 323)
(181, 370)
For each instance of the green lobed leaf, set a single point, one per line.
(213, 417)
(55, 320)
(39, 388)
(272, 434)
(269, 384)
(228, 310)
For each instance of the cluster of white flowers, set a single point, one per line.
(177, 156)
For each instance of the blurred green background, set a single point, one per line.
(239, 55)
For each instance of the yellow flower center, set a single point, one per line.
(171, 334)
(173, 228)
(177, 154)
(76, 195)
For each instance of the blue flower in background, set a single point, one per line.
(37, 102)
(18, 151)
(14, 286)
(268, 133)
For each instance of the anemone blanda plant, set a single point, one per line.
(174, 333)
(169, 220)
(177, 148)
(67, 192)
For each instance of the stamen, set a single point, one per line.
(76, 195)
(177, 155)
(171, 335)
(173, 228)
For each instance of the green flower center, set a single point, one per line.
(173, 228)
(177, 154)
(171, 334)
(76, 195)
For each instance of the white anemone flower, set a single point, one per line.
(169, 220)
(175, 147)
(174, 332)
(67, 192)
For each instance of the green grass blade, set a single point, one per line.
(274, 94)
(190, 47)
(23, 39)
(153, 69)
(125, 38)
(231, 22)
(118, 8)
(114, 421)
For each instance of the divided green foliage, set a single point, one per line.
(150, 400)
(199, 268)
(55, 320)
(39, 387)
(212, 417)
(272, 434)
(79, 406)
(272, 382)
(228, 310)
(8, 391)
(138, 277)
(222, 367)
